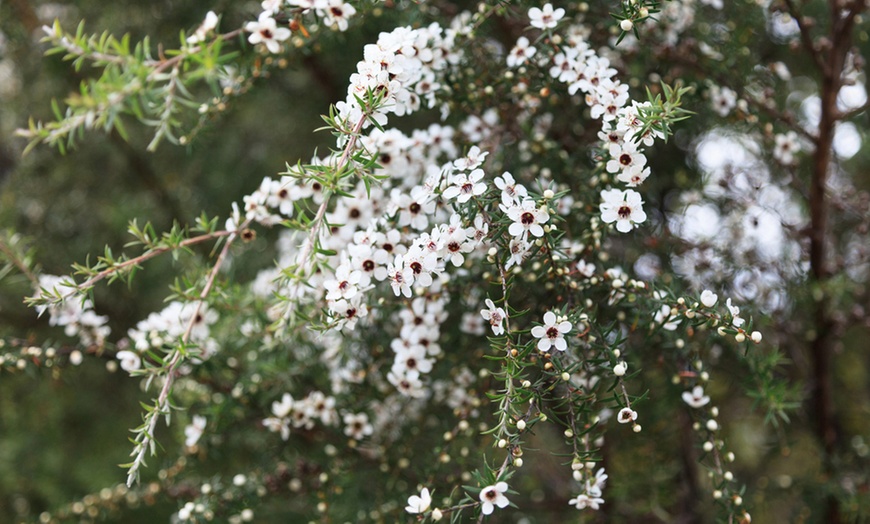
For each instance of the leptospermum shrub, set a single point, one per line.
(467, 315)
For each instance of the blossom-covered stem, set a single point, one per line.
(170, 368)
(315, 224)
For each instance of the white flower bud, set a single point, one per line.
(637, 428)
(566, 376)
(712, 425)
(549, 194)
(569, 433)
(740, 338)
(521, 424)
(437, 515)
(728, 476)
(518, 462)
(502, 443)
(626, 25)
(717, 494)
(578, 475)
(619, 369)
(756, 337)
(708, 446)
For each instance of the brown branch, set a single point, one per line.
(806, 37)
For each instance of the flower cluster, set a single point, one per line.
(76, 316)
(301, 413)
(166, 327)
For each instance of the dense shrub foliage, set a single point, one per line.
(595, 261)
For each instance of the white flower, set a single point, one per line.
(623, 207)
(472, 160)
(465, 186)
(193, 431)
(521, 52)
(723, 99)
(400, 277)
(583, 501)
(785, 147)
(551, 334)
(696, 398)
(491, 496)
(527, 217)
(129, 361)
(336, 12)
(625, 159)
(281, 408)
(266, 31)
(735, 313)
(357, 425)
(419, 504)
(511, 192)
(495, 316)
(626, 415)
(344, 285)
(209, 24)
(546, 18)
(708, 298)
(519, 248)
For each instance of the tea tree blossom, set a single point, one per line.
(130, 361)
(623, 207)
(492, 496)
(786, 146)
(696, 398)
(495, 316)
(708, 298)
(336, 12)
(400, 276)
(463, 187)
(511, 192)
(546, 17)
(626, 415)
(521, 53)
(526, 216)
(552, 333)
(265, 31)
(194, 430)
(736, 321)
(207, 25)
(419, 504)
(583, 501)
(357, 426)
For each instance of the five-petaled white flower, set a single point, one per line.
(696, 398)
(521, 52)
(527, 217)
(356, 426)
(545, 18)
(495, 316)
(419, 504)
(463, 187)
(552, 333)
(266, 31)
(492, 496)
(623, 207)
